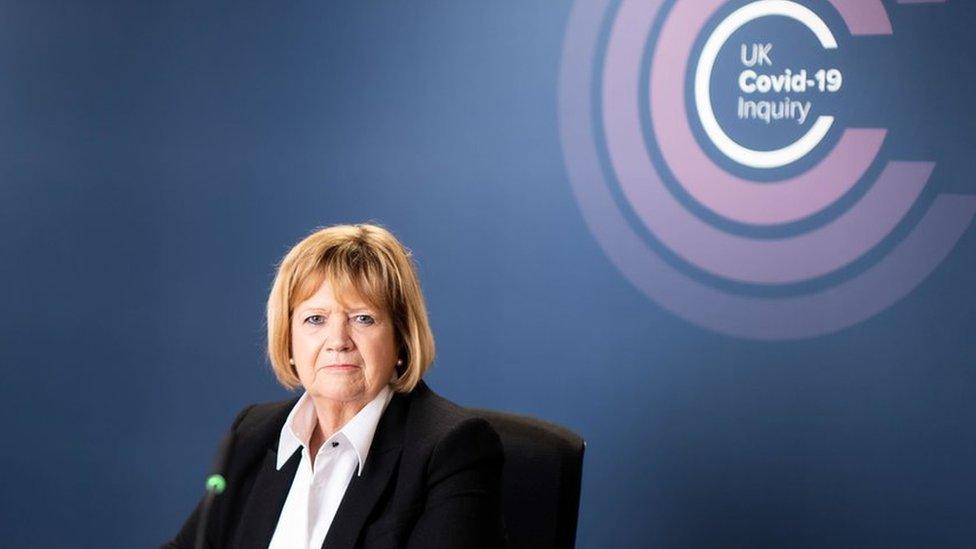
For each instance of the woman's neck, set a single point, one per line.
(330, 416)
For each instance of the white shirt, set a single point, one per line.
(315, 495)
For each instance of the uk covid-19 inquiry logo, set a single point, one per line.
(724, 156)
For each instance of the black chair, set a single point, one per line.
(540, 481)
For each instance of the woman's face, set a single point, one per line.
(342, 353)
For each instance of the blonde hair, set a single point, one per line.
(365, 259)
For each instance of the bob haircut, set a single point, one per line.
(359, 259)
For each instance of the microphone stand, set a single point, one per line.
(216, 484)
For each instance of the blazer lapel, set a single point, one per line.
(364, 490)
(267, 498)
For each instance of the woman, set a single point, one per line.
(368, 456)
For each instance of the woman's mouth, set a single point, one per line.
(340, 367)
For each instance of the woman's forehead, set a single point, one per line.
(321, 291)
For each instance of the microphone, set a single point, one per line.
(216, 484)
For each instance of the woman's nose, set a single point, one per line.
(337, 334)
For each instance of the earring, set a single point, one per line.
(291, 361)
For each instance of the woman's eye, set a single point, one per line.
(365, 320)
(315, 319)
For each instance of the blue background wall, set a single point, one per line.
(157, 159)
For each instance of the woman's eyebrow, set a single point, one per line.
(309, 308)
(356, 309)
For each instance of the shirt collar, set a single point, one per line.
(359, 431)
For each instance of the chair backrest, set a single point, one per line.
(540, 481)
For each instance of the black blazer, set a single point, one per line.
(432, 479)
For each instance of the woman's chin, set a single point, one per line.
(339, 391)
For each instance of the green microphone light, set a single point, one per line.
(216, 484)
